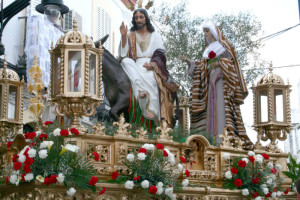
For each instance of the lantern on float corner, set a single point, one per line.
(272, 112)
(76, 76)
(11, 103)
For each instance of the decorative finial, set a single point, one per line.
(52, 47)
(4, 67)
(35, 61)
(271, 68)
(75, 25)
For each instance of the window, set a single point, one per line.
(104, 27)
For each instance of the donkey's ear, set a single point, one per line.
(102, 40)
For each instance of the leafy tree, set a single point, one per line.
(183, 35)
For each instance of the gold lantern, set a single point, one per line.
(76, 76)
(11, 103)
(272, 112)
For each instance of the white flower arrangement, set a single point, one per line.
(185, 182)
(180, 167)
(228, 175)
(145, 184)
(32, 153)
(129, 185)
(246, 160)
(278, 167)
(60, 178)
(28, 177)
(46, 144)
(273, 195)
(257, 198)
(141, 156)
(245, 192)
(251, 153)
(43, 154)
(265, 190)
(130, 157)
(278, 194)
(270, 165)
(71, 192)
(22, 158)
(149, 147)
(56, 132)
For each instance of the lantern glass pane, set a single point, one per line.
(92, 72)
(74, 71)
(278, 110)
(56, 76)
(12, 111)
(263, 98)
(1, 106)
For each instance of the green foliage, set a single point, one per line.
(183, 35)
(209, 137)
(294, 170)
(178, 134)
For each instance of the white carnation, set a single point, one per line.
(22, 158)
(160, 184)
(160, 190)
(60, 178)
(266, 190)
(130, 157)
(46, 144)
(226, 156)
(278, 194)
(173, 197)
(145, 184)
(273, 195)
(180, 167)
(185, 182)
(129, 185)
(71, 191)
(228, 175)
(171, 160)
(273, 177)
(31, 153)
(270, 165)
(251, 153)
(263, 186)
(258, 156)
(38, 133)
(259, 160)
(28, 177)
(56, 132)
(257, 198)
(269, 181)
(149, 147)
(245, 192)
(141, 156)
(169, 191)
(43, 153)
(246, 160)
(278, 167)
(13, 179)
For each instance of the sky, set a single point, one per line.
(282, 50)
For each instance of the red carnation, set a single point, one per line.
(43, 136)
(96, 156)
(255, 180)
(48, 122)
(15, 157)
(136, 178)
(153, 189)
(252, 159)
(115, 175)
(238, 182)
(170, 185)
(187, 173)
(74, 131)
(102, 191)
(143, 150)
(165, 153)
(30, 135)
(93, 181)
(64, 132)
(23, 177)
(242, 163)
(266, 156)
(255, 194)
(182, 159)
(47, 181)
(160, 146)
(268, 195)
(28, 161)
(17, 165)
(7, 180)
(212, 55)
(9, 144)
(234, 170)
(273, 171)
(26, 168)
(31, 144)
(26, 152)
(286, 191)
(53, 178)
(275, 189)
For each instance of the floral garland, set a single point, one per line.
(255, 176)
(49, 160)
(154, 170)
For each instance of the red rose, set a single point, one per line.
(15, 157)
(28, 161)
(212, 55)
(160, 146)
(96, 156)
(136, 178)
(102, 191)
(26, 168)
(53, 178)
(47, 181)
(153, 189)
(182, 159)
(64, 132)
(93, 181)
(268, 195)
(7, 180)
(234, 170)
(273, 171)
(165, 153)
(242, 163)
(115, 175)
(23, 177)
(255, 180)
(255, 194)
(48, 122)
(74, 131)
(187, 173)
(266, 156)
(286, 191)
(9, 144)
(252, 159)
(238, 182)
(17, 165)
(143, 150)
(30, 135)
(43, 136)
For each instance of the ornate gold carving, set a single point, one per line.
(210, 162)
(122, 127)
(104, 170)
(99, 129)
(142, 133)
(203, 175)
(164, 131)
(121, 153)
(104, 151)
